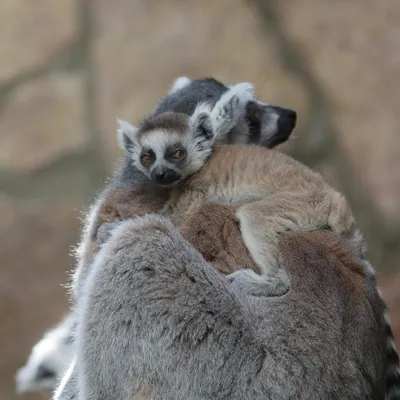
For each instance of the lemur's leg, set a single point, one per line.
(261, 223)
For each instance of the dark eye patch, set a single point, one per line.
(148, 152)
(45, 373)
(170, 150)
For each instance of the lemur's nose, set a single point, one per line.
(165, 176)
(160, 175)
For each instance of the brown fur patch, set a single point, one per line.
(213, 230)
(133, 202)
(323, 250)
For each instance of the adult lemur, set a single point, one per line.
(159, 323)
(262, 124)
(300, 200)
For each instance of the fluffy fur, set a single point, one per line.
(154, 312)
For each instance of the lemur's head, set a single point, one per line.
(48, 359)
(168, 147)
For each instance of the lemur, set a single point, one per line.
(156, 322)
(49, 358)
(272, 193)
(261, 124)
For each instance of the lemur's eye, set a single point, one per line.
(146, 159)
(179, 155)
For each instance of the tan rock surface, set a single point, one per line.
(34, 262)
(41, 121)
(141, 47)
(352, 49)
(33, 32)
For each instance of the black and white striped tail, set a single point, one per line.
(393, 378)
(393, 362)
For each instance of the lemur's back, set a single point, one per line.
(266, 186)
(243, 167)
(238, 174)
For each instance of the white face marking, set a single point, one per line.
(271, 126)
(51, 353)
(159, 140)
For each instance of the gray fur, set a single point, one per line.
(68, 387)
(158, 323)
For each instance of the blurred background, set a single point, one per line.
(70, 67)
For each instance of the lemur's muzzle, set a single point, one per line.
(164, 176)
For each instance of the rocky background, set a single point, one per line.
(70, 67)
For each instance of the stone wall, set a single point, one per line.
(70, 67)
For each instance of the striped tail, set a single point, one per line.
(392, 383)
(393, 378)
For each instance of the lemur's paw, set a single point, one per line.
(250, 283)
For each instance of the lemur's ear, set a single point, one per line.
(126, 134)
(200, 126)
(230, 108)
(179, 83)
